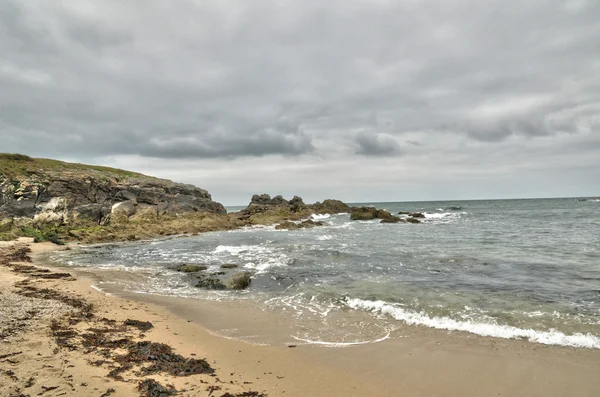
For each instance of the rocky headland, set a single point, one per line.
(52, 200)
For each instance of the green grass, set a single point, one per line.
(15, 166)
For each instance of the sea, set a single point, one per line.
(513, 269)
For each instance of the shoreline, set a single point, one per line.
(421, 362)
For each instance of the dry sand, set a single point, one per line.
(422, 363)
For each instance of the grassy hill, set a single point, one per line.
(18, 166)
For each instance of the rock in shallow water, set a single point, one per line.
(229, 266)
(237, 281)
(190, 268)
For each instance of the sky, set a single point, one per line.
(360, 100)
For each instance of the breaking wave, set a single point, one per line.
(551, 337)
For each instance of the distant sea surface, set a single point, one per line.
(525, 269)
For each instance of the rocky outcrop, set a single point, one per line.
(49, 191)
(307, 224)
(264, 210)
(369, 213)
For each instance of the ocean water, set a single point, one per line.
(525, 269)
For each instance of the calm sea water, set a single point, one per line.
(503, 268)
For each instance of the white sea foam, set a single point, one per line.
(325, 237)
(551, 337)
(318, 217)
(436, 215)
(257, 257)
(97, 288)
(340, 344)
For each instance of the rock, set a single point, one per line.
(403, 213)
(412, 220)
(229, 266)
(266, 200)
(330, 206)
(296, 203)
(279, 200)
(363, 213)
(6, 225)
(393, 219)
(190, 268)
(309, 223)
(51, 191)
(368, 213)
(126, 208)
(416, 215)
(239, 281)
(261, 199)
(210, 282)
(287, 225)
(385, 215)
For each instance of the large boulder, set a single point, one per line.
(239, 281)
(223, 280)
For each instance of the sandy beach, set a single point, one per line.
(51, 348)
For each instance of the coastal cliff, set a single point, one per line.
(67, 197)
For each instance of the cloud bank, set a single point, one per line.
(353, 99)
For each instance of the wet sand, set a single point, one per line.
(414, 361)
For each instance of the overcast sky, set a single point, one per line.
(362, 100)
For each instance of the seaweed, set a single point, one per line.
(151, 388)
(141, 325)
(163, 360)
(108, 392)
(116, 373)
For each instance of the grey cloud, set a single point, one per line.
(375, 144)
(296, 79)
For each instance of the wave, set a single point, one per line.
(257, 257)
(341, 344)
(551, 337)
(436, 215)
(318, 217)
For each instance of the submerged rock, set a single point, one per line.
(220, 281)
(239, 281)
(190, 268)
(413, 220)
(416, 215)
(307, 224)
(210, 282)
(393, 219)
(229, 266)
